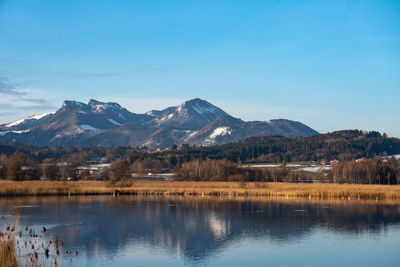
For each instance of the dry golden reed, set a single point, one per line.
(22, 246)
(7, 253)
(322, 190)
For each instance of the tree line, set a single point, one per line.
(20, 166)
(366, 171)
(377, 170)
(362, 171)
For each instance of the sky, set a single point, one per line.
(332, 65)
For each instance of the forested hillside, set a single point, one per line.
(341, 145)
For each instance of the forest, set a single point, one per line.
(356, 157)
(340, 145)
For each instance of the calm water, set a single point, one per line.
(129, 231)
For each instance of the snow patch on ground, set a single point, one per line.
(73, 103)
(261, 166)
(293, 165)
(190, 134)
(15, 123)
(33, 117)
(220, 131)
(179, 109)
(98, 108)
(311, 168)
(151, 113)
(316, 168)
(105, 106)
(17, 132)
(166, 117)
(39, 116)
(397, 156)
(114, 122)
(87, 127)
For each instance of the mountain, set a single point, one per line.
(25, 124)
(191, 115)
(194, 122)
(290, 128)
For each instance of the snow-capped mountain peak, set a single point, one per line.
(192, 114)
(195, 121)
(201, 106)
(73, 104)
(101, 106)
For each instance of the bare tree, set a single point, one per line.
(121, 170)
(14, 166)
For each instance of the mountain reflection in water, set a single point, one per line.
(194, 228)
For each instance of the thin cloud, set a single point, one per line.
(19, 94)
(17, 102)
(36, 100)
(8, 88)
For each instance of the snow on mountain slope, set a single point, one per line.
(194, 122)
(193, 115)
(113, 121)
(18, 122)
(17, 132)
(87, 127)
(220, 131)
(102, 115)
(33, 117)
(101, 106)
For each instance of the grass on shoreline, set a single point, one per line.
(322, 191)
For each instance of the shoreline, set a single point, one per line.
(185, 188)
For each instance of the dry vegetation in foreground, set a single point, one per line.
(7, 254)
(43, 188)
(23, 246)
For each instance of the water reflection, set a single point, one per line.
(193, 228)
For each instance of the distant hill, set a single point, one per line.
(195, 122)
(340, 145)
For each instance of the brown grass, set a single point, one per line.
(22, 246)
(322, 191)
(7, 254)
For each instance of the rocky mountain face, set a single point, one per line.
(195, 122)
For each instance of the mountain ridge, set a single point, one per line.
(194, 122)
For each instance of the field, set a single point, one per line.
(226, 189)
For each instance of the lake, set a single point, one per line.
(141, 231)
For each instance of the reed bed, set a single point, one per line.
(321, 191)
(7, 253)
(25, 246)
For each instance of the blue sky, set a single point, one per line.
(330, 64)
